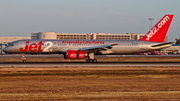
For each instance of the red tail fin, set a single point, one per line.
(158, 32)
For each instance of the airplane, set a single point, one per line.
(86, 49)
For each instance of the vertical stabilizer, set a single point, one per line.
(159, 31)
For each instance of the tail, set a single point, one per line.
(159, 31)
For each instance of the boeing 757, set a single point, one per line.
(81, 49)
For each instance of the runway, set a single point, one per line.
(83, 64)
(59, 55)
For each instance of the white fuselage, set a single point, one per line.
(61, 46)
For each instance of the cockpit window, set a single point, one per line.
(11, 45)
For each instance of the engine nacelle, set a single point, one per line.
(74, 54)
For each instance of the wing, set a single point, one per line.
(97, 48)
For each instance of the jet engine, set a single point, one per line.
(74, 54)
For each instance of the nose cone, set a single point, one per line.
(5, 49)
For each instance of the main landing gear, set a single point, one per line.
(91, 58)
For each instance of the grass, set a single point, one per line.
(90, 72)
(85, 83)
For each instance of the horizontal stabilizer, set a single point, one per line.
(162, 44)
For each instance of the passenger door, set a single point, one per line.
(21, 44)
(54, 44)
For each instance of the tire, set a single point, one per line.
(24, 61)
(95, 60)
(87, 60)
(90, 60)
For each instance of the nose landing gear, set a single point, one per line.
(23, 58)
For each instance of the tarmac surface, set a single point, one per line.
(84, 64)
(59, 55)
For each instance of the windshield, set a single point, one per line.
(10, 45)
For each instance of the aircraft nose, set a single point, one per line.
(5, 49)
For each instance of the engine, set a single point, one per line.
(74, 54)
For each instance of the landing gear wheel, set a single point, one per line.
(87, 60)
(24, 61)
(94, 60)
(90, 60)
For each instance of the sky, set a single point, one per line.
(20, 18)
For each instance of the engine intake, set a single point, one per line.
(74, 54)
